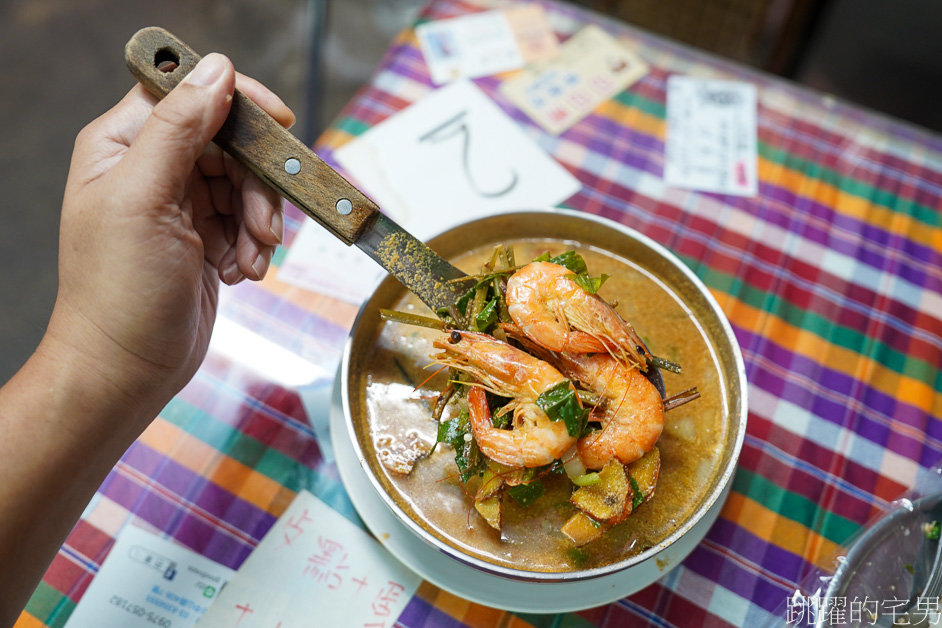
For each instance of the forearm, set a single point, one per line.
(62, 431)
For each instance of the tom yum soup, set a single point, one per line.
(529, 426)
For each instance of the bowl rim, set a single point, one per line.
(711, 500)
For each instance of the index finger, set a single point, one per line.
(266, 99)
(211, 162)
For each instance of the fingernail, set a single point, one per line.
(207, 71)
(231, 273)
(277, 226)
(261, 263)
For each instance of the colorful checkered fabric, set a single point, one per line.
(831, 278)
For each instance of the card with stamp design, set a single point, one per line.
(591, 68)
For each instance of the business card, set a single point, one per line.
(531, 29)
(147, 581)
(711, 136)
(469, 46)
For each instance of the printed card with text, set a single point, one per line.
(533, 33)
(711, 136)
(469, 46)
(591, 68)
(314, 568)
(147, 581)
(486, 43)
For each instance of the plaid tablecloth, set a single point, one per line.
(831, 278)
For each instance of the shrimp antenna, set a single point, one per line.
(427, 379)
(620, 403)
(450, 476)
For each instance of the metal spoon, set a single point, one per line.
(932, 591)
(914, 616)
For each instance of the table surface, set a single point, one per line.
(831, 278)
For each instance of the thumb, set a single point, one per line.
(165, 151)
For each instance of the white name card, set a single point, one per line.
(146, 581)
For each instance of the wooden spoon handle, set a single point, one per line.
(257, 141)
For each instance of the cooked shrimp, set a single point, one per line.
(554, 311)
(632, 417)
(534, 440)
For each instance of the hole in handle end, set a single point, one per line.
(166, 59)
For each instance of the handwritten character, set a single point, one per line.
(326, 565)
(245, 610)
(295, 528)
(385, 598)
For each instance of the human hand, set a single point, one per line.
(154, 215)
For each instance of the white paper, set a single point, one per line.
(316, 402)
(450, 157)
(470, 46)
(318, 261)
(314, 568)
(711, 136)
(148, 581)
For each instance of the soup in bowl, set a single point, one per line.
(392, 381)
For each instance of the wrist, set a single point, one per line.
(118, 392)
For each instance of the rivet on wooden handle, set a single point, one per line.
(257, 141)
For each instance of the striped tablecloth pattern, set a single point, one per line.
(831, 277)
